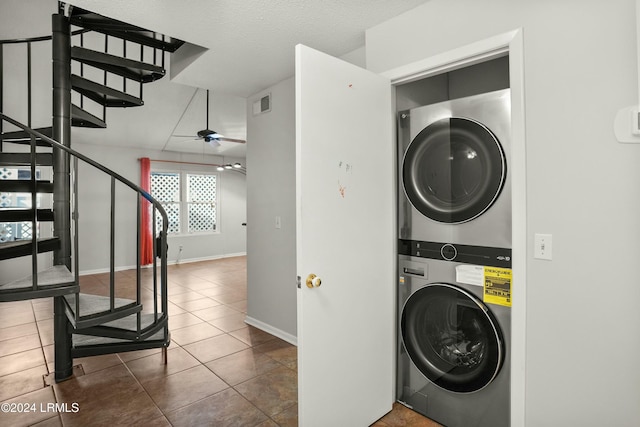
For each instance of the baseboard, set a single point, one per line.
(183, 261)
(106, 270)
(291, 339)
(208, 258)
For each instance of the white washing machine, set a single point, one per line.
(454, 260)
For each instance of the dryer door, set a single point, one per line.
(452, 338)
(454, 170)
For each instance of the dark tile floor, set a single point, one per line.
(220, 371)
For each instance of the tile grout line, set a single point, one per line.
(143, 388)
(44, 357)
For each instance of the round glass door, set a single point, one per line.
(454, 170)
(452, 338)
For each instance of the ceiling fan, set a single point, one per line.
(209, 136)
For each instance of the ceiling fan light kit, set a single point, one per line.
(229, 166)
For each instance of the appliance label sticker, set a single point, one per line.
(470, 274)
(497, 286)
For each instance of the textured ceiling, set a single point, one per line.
(251, 42)
(248, 46)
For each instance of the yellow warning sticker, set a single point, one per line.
(497, 286)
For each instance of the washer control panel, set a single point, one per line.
(480, 255)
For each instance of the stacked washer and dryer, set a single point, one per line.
(454, 260)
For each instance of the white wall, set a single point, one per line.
(15, 14)
(271, 192)
(20, 19)
(583, 319)
(94, 193)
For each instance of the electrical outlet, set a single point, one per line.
(543, 246)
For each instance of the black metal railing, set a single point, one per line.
(159, 247)
(28, 43)
(158, 58)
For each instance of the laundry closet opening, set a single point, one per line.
(454, 245)
(475, 79)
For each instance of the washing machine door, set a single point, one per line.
(453, 170)
(452, 338)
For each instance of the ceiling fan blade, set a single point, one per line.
(241, 141)
(184, 136)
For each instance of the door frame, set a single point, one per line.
(510, 43)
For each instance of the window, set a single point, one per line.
(189, 200)
(10, 231)
(201, 201)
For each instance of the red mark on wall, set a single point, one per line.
(344, 176)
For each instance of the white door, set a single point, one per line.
(345, 235)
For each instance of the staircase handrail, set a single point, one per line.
(39, 38)
(160, 242)
(28, 41)
(93, 163)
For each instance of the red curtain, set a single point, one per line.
(146, 245)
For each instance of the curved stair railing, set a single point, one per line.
(107, 322)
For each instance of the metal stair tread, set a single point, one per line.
(18, 215)
(92, 305)
(92, 21)
(86, 340)
(57, 275)
(125, 67)
(23, 159)
(102, 94)
(24, 186)
(19, 248)
(22, 136)
(79, 118)
(129, 323)
(126, 327)
(83, 118)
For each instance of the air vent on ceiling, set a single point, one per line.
(262, 105)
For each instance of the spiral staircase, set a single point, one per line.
(39, 206)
